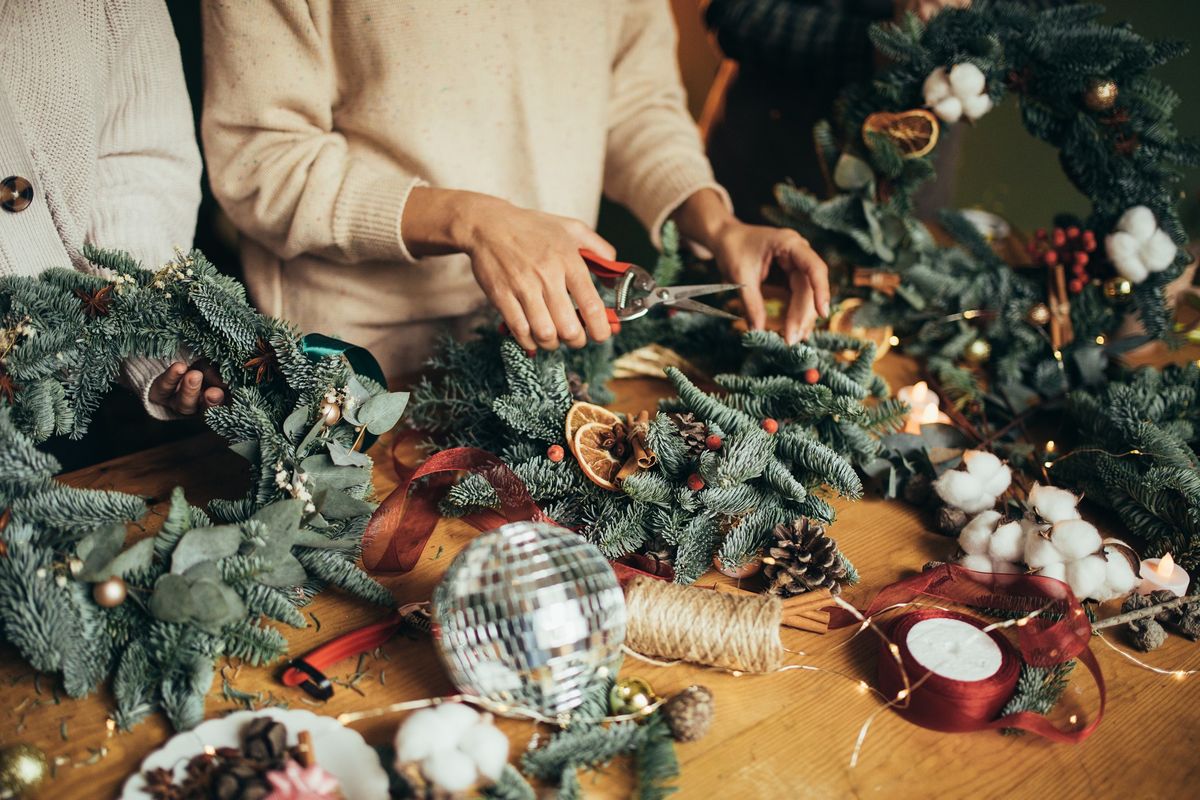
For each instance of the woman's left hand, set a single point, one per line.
(188, 390)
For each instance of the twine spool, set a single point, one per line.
(682, 623)
(939, 702)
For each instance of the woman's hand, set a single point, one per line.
(527, 262)
(745, 253)
(188, 390)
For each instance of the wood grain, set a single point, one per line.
(785, 735)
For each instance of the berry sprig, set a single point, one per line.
(1070, 246)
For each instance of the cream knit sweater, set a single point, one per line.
(95, 114)
(321, 116)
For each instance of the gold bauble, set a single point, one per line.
(1038, 314)
(22, 768)
(978, 352)
(631, 696)
(110, 593)
(331, 413)
(1100, 94)
(737, 571)
(1118, 289)
(842, 321)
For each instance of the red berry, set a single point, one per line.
(1060, 237)
(695, 482)
(1073, 232)
(1076, 286)
(1041, 233)
(1089, 241)
(1050, 259)
(1082, 259)
(1080, 270)
(770, 425)
(713, 442)
(555, 453)
(812, 375)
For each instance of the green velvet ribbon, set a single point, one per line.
(317, 346)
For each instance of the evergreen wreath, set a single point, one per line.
(784, 422)
(204, 585)
(1037, 332)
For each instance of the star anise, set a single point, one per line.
(97, 303)
(616, 440)
(264, 363)
(8, 387)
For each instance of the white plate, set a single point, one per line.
(340, 750)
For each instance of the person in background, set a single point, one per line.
(394, 166)
(97, 146)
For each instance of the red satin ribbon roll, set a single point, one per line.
(938, 702)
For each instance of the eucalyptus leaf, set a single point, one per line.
(98, 549)
(316, 541)
(248, 449)
(139, 556)
(296, 423)
(285, 572)
(343, 456)
(339, 505)
(938, 434)
(171, 600)
(328, 475)
(205, 544)
(356, 396)
(282, 515)
(852, 173)
(381, 413)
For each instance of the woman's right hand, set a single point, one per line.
(527, 263)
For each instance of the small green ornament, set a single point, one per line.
(631, 695)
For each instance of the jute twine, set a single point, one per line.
(687, 624)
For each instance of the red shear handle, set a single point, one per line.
(604, 268)
(308, 670)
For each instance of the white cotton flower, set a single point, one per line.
(1086, 576)
(994, 475)
(1040, 552)
(963, 490)
(976, 563)
(1119, 576)
(1075, 538)
(962, 91)
(1007, 543)
(976, 534)
(454, 745)
(1053, 504)
(1138, 246)
(1056, 571)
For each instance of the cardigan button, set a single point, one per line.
(16, 193)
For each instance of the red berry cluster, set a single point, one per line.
(1068, 246)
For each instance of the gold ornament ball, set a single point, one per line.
(737, 571)
(331, 413)
(1118, 289)
(110, 593)
(978, 352)
(1039, 314)
(631, 696)
(1101, 94)
(22, 768)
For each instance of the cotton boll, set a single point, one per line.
(1056, 571)
(967, 80)
(1086, 576)
(1040, 552)
(949, 110)
(961, 490)
(976, 534)
(993, 474)
(417, 737)
(1158, 252)
(1124, 252)
(1053, 504)
(976, 107)
(487, 747)
(1002, 567)
(1007, 543)
(456, 719)
(937, 87)
(1119, 575)
(451, 770)
(976, 563)
(1138, 221)
(1075, 538)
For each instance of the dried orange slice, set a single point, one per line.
(842, 321)
(583, 413)
(594, 458)
(915, 132)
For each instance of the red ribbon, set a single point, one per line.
(1060, 633)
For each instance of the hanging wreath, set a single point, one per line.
(153, 614)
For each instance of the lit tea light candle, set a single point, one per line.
(923, 407)
(1163, 573)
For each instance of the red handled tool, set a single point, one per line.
(637, 292)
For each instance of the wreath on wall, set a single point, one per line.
(154, 614)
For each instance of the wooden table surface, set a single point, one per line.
(785, 735)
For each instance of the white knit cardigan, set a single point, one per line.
(94, 112)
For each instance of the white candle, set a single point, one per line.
(954, 649)
(923, 407)
(1163, 573)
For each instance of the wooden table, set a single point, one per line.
(786, 735)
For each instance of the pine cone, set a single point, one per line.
(689, 714)
(1146, 634)
(693, 431)
(802, 559)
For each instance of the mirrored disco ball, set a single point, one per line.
(530, 614)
